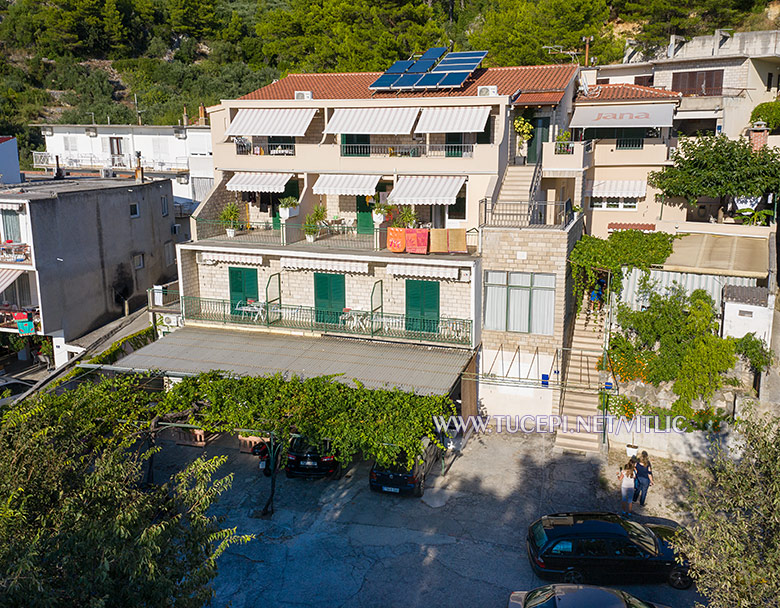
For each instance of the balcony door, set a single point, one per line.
(540, 135)
(329, 297)
(422, 305)
(243, 286)
(453, 145)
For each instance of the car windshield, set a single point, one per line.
(301, 444)
(543, 597)
(640, 535)
(399, 466)
(632, 602)
(538, 534)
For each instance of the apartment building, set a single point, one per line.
(74, 252)
(269, 283)
(9, 161)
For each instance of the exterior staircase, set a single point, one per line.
(512, 202)
(580, 393)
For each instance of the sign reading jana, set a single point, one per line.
(622, 116)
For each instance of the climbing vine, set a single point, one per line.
(593, 258)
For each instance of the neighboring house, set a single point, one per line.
(75, 251)
(9, 161)
(722, 77)
(488, 246)
(181, 153)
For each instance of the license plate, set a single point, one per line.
(262, 464)
(309, 463)
(389, 489)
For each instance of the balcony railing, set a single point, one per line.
(633, 143)
(47, 160)
(408, 150)
(538, 214)
(164, 298)
(7, 312)
(351, 322)
(14, 253)
(564, 147)
(245, 147)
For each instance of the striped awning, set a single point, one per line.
(618, 188)
(426, 190)
(415, 270)
(325, 265)
(7, 278)
(372, 121)
(258, 182)
(453, 120)
(290, 122)
(356, 185)
(207, 257)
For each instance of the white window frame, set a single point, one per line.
(508, 287)
(138, 261)
(137, 210)
(614, 203)
(164, 205)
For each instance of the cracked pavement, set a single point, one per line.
(337, 544)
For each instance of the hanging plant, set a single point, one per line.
(523, 128)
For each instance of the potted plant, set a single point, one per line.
(229, 217)
(312, 221)
(525, 131)
(382, 212)
(288, 207)
(562, 143)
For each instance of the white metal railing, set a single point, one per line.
(69, 160)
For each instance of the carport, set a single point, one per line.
(424, 370)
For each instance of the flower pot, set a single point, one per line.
(310, 238)
(631, 450)
(287, 212)
(231, 232)
(378, 218)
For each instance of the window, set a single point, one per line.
(485, 136)
(602, 81)
(610, 202)
(520, 302)
(164, 204)
(706, 83)
(355, 145)
(135, 210)
(11, 229)
(18, 292)
(138, 261)
(769, 78)
(458, 210)
(170, 253)
(562, 547)
(644, 81)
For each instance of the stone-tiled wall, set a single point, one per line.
(735, 72)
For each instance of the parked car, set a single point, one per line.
(14, 387)
(584, 547)
(581, 596)
(304, 459)
(400, 479)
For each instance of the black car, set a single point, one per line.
(581, 596)
(579, 547)
(305, 459)
(399, 479)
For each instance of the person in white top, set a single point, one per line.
(626, 475)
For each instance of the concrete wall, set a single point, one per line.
(84, 243)
(686, 447)
(740, 319)
(9, 162)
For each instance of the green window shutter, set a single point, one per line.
(250, 284)
(485, 136)
(422, 305)
(329, 297)
(338, 293)
(321, 291)
(430, 300)
(236, 282)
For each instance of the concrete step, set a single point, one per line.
(578, 442)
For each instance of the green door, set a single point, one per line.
(243, 286)
(422, 305)
(329, 297)
(453, 145)
(541, 134)
(365, 222)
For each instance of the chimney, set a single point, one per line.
(202, 115)
(139, 170)
(185, 119)
(759, 135)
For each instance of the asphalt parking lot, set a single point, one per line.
(337, 544)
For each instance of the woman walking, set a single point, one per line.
(626, 475)
(644, 478)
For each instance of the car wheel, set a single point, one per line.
(419, 489)
(573, 576)
(679, 578)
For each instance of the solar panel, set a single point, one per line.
(429, 80)
(456, 66)
(384, 81)
(434, 53)
(453, 80)
(406, 81)
(421, 66)
(399, 67)
(467, 55)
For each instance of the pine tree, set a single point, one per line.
(116, 32)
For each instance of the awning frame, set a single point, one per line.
(423, 190)
(251, 181)
(346, 184)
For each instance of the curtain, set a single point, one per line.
(519, 302)
(543, 313)
(495, 307)
(11, 229)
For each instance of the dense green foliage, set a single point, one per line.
(715, 166)
(593, 258)
(675, 339)
(733, 540)
(78, 528)
(768, 112)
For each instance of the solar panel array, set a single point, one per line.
(432, 70)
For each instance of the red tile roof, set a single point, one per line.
(541, 84)
(631, 226)
(5, 138)
(619, 92)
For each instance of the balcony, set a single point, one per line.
(9, 311)
(631, 151)
(126, 162)
(408, 150)
(15, 253)
(539, 214)
(369, 324)
(332, 234)
(244, 147)
(566, 156)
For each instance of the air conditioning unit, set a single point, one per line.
(303, 95)
(91, 131)
(175, 228)
(183, 178)
(487, 91)
(106, 172)
(180, 133)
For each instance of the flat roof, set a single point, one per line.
(49, 188)
(733, 256)
(426, 370)
(114, 126)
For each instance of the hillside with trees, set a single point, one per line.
(67, 60)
